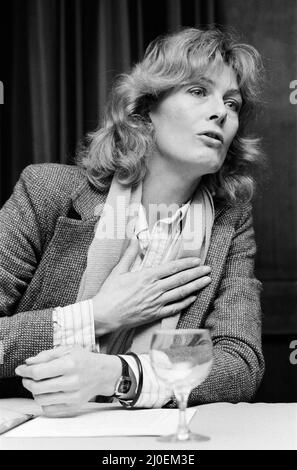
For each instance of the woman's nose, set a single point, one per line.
(218, 111)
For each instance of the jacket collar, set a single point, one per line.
(87, 201)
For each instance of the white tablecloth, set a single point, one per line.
(229, 426)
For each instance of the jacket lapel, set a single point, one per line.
(60, 271)
(221, 238)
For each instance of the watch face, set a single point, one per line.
(125, 385)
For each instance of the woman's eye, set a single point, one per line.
(198, 91)
(234, 105)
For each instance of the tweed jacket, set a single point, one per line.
(46, 228)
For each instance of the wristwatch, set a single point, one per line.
(124, 383)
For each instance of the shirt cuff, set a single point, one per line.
(74, 324)
(154, 392)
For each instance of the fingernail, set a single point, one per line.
(196, 261)
(207, 278)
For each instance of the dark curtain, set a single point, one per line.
(61, 57)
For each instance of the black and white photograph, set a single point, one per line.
(148, 228)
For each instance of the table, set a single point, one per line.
(229, 426)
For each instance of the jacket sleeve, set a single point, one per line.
(235, 325)
(23, 228)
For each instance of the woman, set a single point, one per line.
(165, 186)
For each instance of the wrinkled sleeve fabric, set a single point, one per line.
(154, 392)
(74, 324)
(22, 227)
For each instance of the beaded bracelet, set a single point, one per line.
(130, 403)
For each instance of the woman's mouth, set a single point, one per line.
(211, 140)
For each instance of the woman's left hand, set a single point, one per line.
(65, 378)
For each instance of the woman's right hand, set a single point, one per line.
(129, 299)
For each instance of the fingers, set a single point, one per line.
(186, 290)
(49, 355)
(174, 267)
(60, 398)
(55, 368)
(58, 384)
(176, 307)
(183, 277)
(128, 257)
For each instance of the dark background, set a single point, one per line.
(58, 58)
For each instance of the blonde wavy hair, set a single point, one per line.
(125, 139)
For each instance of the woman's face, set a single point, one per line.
(195, 124)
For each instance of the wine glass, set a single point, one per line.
(182, 359)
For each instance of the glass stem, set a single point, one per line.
(183, 431)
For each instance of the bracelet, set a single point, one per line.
(130, 403)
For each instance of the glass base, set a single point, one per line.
(191, 437)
